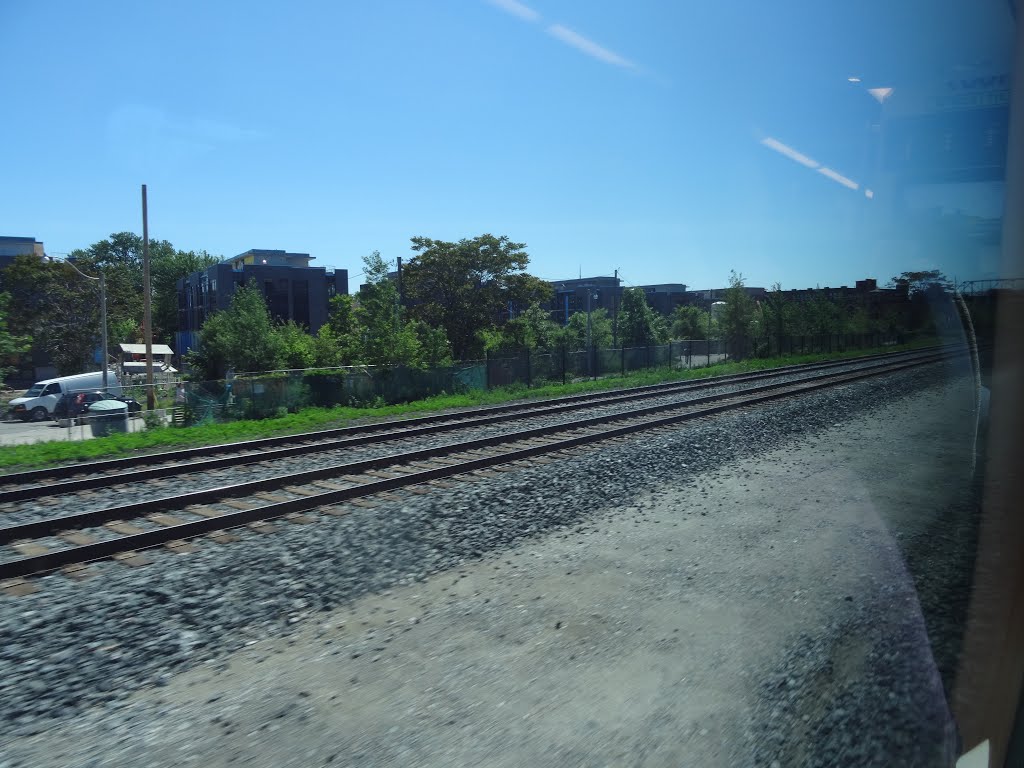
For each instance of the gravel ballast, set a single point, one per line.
(127, 491)
(87, 646)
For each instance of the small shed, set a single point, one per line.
(132, 358)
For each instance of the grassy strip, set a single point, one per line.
(20, 457)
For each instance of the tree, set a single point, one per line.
(737, 316)
(574, 335)
(56, 307)
(928, 291)
(777, 315)
(463, 287)
(243, 336)
(435, 351)
(380, 333)
(120, 257)
(11, 344)
(922, 281)
(298, 350)
(167, 267)
(533, 329)
(690, 323)
(639, 325)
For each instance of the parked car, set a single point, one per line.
(75, 404)
(39, 401)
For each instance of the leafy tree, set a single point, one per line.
(860, 321)
(639, 324)
(690, 322)
(922, 281)
(574, 335)
(435, 351)
(821, 317)
(167, 266)
(11, 344)
(380, 333)
(929, 300)
(120, 257)
(463, 287)
(777, 314)
(330, 350)
(56, 307)
(339, 314)
(738, 315)
(243, 337)
(298, 349)
(533, 329)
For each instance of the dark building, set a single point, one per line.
(293, 290)
(606, 293)
(705, 298)
(571, 296)
(19, 246)
(665, 297)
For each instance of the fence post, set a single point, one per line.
(647, 356)
(563, 364)
(707, 348)
(670, 366)
(529, 373)
(593, 358)
(622, 358)
(487, 369)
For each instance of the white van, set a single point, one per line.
(38, 402)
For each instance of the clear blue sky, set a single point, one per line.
(653, 137)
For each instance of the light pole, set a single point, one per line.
(103, 317)
(591, 294)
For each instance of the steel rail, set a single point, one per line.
(247, 453)
(97, 550)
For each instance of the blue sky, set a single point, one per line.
(671, 140)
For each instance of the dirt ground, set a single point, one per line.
(641, 638)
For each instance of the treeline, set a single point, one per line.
(50, 305)
(453, 295)
(454, 301)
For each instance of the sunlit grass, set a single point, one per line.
(20, 457)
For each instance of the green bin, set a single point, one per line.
(107, 417)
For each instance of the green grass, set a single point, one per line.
(21, 457)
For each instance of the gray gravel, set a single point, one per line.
(128, 493)
(75, 645)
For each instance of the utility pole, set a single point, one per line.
(615, 311)
(147, 309)
(103, 329)
(401, 291)
(711, 306)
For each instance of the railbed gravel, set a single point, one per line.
(128, 492)
(71, 646)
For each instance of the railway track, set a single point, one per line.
(123, 530)
(36, 484)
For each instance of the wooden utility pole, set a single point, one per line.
(147, 309)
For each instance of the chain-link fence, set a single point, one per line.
(276, 393)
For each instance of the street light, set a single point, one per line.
(103, 316)
(591, 294)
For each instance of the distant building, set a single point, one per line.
(606, 293)
(665, 297)
(10, 247)
(293, 290)
(571, 296)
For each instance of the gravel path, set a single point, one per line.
(658, 627)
